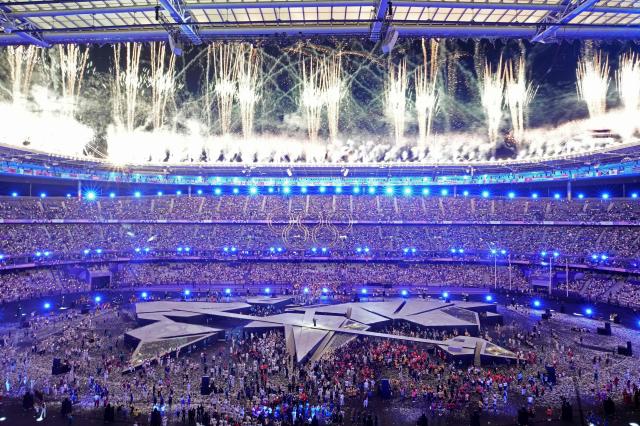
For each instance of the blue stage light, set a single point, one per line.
(634, 195)
(47, 305)
(14, 194)
(97, 299)
(407, 190)
(494, 251)
(325, 290)
(112, 195)
(227, 291)
(372, 190)
(543, 253)
(338, 190)
(90, 195)
(179, 249)
(605, 196)
(233, 249)
(580, 196)
(236, 191)
(144, 294)
(303, 189)
(137, 194)
(512, 195)
(147, 249)
(313, 249)
(253, 190)
(358, 250)
(38, 253)
(187, 249)
(556, 254)
(279, 249)
(1, 256)
(286, 190)
(267, 290)
(534, 195)
(460, 251)
(453, 250)
(187, 292)
(86, 251)
(556, 196)
(405, 250)
(324, 249)
(425, 191)
(485, 194)
(68, 195)
(199, 192)
(322, 189)
(43, 195)
(160, 194)
(444, 192)
(363, 291)
(47, 253)
(488, 298)
(99, 251)
(272, 249)
(413, 250)
(270, 190)
(356, 189)
(137, 250)
(404, 293)
(594, 256)
(388, 190)
(604, 257)
(445, 294)
(366, 249)
(537, 303)
(178, 192)
(588, 312)
(465, 193)
(217, 191)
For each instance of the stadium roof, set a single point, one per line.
(46, 22)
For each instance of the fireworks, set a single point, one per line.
(126, 86)
(426, 78)
(519, 94)
(593, 83)
(249, 67)
(73, 64)
(396, 98)
(628, 79)
(333, 88)
(161, 81)
(225, 81)
(492, 99)
(311, 96)
(22, 61)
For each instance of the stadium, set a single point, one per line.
(319, 212)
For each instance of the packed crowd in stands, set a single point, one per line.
(338, 207)
(254, 380)
(36, 283)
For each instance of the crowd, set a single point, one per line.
(339, 207)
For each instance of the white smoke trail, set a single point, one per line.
(333, 88)
(519, 94)
(593, 83)
(492, 99)
(426, 78)
(311, 99)
(249, 76)
(396, 98)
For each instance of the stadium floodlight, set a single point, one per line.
(236, 190)
(199, 192)
(372, 190)
(322, 189)
(465, 193)
(605, 196)
(14, 194)
(444, 192)
(137, 194)
(511, 195)
(581, 196)
(253, 190)
(534, 195)
(407, 190)
(112, 195)
(43, 195)
(217, 191)
(485, 194)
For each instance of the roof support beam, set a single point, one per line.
(378, 23)
(183, 18)
(571, 9)
(22, 28)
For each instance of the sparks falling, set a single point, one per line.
(628, 79)
(127, 85)
(161, 81)
(396, 98)
(333, 88)
(225, 81)
(426, 78)
(22, 61)
(249, 76)
(311, 99)
(492, 98)
(73, 66)
(519, 94)
(593, 83)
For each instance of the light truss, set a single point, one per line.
(564, 15)
(183, 18)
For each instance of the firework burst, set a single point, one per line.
(249, 76)
(396, 98)
(161, 81)
(593, 83)
(492, 99)
(311, 96)
(519, 95)
(426, 78)
(333, 88)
